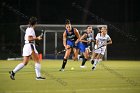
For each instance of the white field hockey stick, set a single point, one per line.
(41, 35)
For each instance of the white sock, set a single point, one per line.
(18, 67)
(95, 62)
(99, 60)
(37, 69)
(91, 59)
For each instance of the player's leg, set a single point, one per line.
(88, 50)
(67, 54)
(100, 54)
(80, 56)
(19, 67)
(96, 59)
(94, 55)
(85, 58)
(100, 58)
(26, 56)
(37, 65)
(75, 51)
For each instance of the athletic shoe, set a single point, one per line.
(92, 62)
(93, 68)
(40, 78)
(12, 74)
(61, 70)
(82, 66)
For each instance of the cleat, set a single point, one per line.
(61, 70)
(40, 78)
(12, 74)
(93, 68)
(82, 66)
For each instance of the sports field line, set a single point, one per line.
(105, 89)
(18, 73)
(75, 90)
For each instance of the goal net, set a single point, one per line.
(52, 41)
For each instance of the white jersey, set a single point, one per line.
(102, 40)
(29, 32)
(29, 47)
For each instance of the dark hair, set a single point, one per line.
(104, 27)
(88, 26)
(32, 20)
(67, 21)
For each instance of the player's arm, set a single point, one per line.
(77, 35)
(92, 40)
(31, 38)
(109, 42)
(82, 38)
(97, 42)
(64, 39)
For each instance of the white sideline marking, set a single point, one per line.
(68, 90)
(18, 73)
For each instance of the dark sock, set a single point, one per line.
(82, 56)
(64, 63)
(84, 61)
(92, 62)
(13, 73)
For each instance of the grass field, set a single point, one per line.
(109, 77)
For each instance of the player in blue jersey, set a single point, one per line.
(71, 39)
(86, 40)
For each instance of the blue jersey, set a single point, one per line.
(86, 39)
(84, 45)
(71, 38)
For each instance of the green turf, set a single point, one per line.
(109, 77)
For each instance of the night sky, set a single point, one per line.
(122, 17)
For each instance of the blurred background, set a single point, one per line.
(121, 16)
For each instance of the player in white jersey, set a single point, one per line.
(29, 49)
(102, 40)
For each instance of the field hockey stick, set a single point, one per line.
(41, 35)
(99, 47)
(62, 51)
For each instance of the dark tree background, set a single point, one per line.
(122, 17)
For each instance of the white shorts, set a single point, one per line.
(100, 50)
(27, 49)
